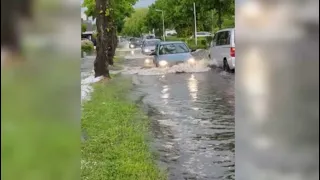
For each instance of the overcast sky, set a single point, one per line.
(139, 4)
(144, 3)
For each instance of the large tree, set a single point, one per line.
(103, 21)
(122, 9)
(109, 15)
(135, 25)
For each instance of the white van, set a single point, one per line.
(223, 49)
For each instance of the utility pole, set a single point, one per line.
(195, 23)
(219, 14)
(163, 28)
(212, 24)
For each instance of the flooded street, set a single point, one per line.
(192, 117)
(193, 121)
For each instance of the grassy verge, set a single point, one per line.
(116, 147)
(117, 64)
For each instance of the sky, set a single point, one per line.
(139, 4)
(144, 3)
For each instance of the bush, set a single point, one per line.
(83, 27)
(203, 42)
(87, 46)
(175, 38)
(209, 39)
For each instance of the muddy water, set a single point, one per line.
(192, 115)
(192, 119)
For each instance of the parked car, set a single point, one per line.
(202, 34)
(223, 49)
(167, 54)
(135, 43)
(149, 45)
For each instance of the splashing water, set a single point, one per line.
(86, 88)
(200, 66)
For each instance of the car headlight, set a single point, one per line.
(163, 63)
(191, 61)
(147, 61)
(146, 50)
(131, 45)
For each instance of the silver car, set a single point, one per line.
(169, 54)
(149, 45)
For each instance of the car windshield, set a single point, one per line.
(174, 48)
(150, 43)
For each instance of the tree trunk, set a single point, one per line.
(112, 39)
(102, 21)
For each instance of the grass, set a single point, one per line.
(117, 145)
(117, 66)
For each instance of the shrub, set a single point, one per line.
(209, 39)
(203, 42)
(94, 35)
(83, 27)
(87, 46)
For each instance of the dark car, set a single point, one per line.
(135, 43)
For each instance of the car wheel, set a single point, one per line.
(226, 66)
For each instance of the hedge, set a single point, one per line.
(87, 46)
(203, 42)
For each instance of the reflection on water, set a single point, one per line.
(165, 93)
(193, 87)
(193, 124)
(191, 117)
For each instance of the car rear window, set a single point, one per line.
(151, 43)
(223, 38)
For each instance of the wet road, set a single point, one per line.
(192, 117)
(193, 121)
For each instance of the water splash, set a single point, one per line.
(86, 88)
(200, 66)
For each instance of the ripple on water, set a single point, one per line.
(193, 122)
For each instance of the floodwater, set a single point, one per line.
(192, 116)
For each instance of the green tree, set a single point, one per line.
(180, 15)
(135, 25)
(109, 15)
(122, 9)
